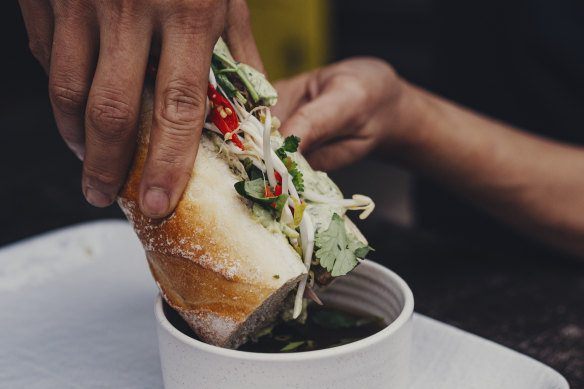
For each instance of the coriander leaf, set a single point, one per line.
(281, 153)
(331, 242)
(297, 178)
(361, 250)
(344, 263)
(290, 144)
(338, 252)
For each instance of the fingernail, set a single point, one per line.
(97, 198)
(78, 150)
(79, 154)
(156, 202)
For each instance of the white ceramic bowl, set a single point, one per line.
(380, 361)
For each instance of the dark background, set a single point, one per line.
(520, 61)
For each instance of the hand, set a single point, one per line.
(341, 112)
(96, 54)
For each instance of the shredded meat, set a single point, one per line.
(243, 90)
(321, 276)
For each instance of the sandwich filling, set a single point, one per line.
(286, 195)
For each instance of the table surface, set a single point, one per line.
(55, 338)
(530, 303)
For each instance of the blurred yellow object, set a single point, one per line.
(292, 36)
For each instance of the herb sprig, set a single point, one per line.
(337, 251)
(290, 145)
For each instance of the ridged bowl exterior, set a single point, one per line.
(379, 361)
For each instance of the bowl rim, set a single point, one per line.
(360, 345)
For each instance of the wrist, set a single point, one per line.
(408, 127)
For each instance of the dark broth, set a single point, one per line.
(325, 327)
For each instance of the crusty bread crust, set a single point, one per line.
(219, 268)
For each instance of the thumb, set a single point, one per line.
(331, 114)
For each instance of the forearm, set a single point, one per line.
(532, 183)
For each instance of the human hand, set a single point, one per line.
(96, 54)
(341, 112)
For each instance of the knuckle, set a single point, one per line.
(123, 9)
(126, 16)
(111, 115)
(382, 70)
(192, 16)
(182, 107)
(356, 90)
(200, 6)
(361, 97)
(72, 13)
(383, 65)
(67, 98)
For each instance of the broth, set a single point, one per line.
(326, 326)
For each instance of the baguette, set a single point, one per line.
(255, 223)
(224, 272)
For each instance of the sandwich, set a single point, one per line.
(257, 231)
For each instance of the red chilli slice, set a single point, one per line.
(229, 122)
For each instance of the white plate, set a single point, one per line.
(58, 290)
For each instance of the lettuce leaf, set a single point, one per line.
(255, 191)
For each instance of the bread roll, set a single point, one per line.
(224, 272)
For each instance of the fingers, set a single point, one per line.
(239, 35)
(73, 58)
(179, 108)
(339, 153)
(113, 107)
(334, 108)
(38, 19)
